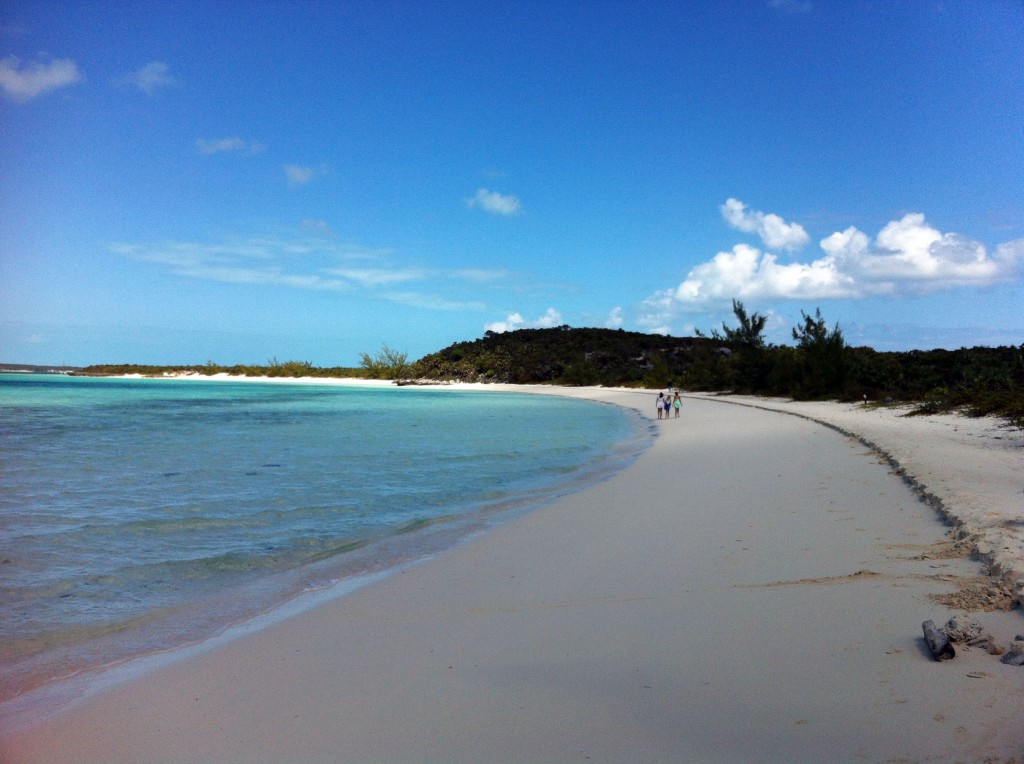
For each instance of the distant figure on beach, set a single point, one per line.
(660, 404)
(677, 403)
(668, 406)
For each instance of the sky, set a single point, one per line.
(183, 182)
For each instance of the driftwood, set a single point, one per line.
(938, 642)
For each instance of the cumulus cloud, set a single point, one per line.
(907, 256)
(550, 319)
(150, 78)
(775, 232)
(22, 84)
(299, 175)
(495, 203)
(208, 146)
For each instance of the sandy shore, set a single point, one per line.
(970, 469)
(751, 589)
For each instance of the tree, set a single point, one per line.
(821, 358)
(749, 361)
(750, 332)
(387, 364)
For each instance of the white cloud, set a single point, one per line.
(150, 78)
(25, 83)
(657, 311)
(746, 272)
(492, 201)
(208, 146)
(614, 320)
(550, 319)
(300, 175)
(907, 256)
(910, 255)
(510, 324)
(775, 232)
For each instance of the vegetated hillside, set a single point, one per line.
(980, 380)
(565, 356)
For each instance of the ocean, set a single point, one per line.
(141, 515)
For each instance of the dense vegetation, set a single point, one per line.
(819, 365)
(273, 368)
(737, 359)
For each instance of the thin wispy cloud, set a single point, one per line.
(311, 263)
(321, 227)
(374, 277)
(432, 301)
(384, 276)
(479, 275)
(150, 78)
(495, 203)
(299, 175)
(23, 83)
(234, 144)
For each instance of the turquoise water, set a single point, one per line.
(138, 515)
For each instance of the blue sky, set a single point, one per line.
(236, 181)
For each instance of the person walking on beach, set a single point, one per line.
(660, 405)
(668, 406)
(677, 403)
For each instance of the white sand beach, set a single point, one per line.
(971, 469)
(751, 588)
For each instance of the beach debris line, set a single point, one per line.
(962, 629)
(966, 631)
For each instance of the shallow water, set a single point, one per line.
(138, 515)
